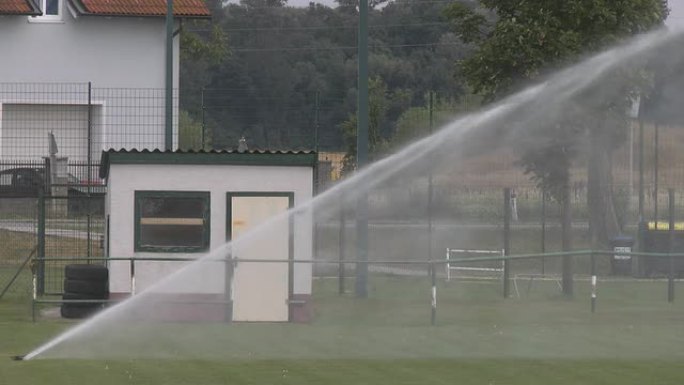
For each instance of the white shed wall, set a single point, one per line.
(124, 180)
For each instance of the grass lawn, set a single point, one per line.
(635, 337)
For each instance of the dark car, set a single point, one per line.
(22, 182)
(28, 182)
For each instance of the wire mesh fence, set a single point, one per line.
(453, 205)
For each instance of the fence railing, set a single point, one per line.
(431, 270)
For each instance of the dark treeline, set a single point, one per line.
(284, 70)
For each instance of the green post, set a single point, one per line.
(40, 266)
(641, 170)
(227, 287)
(641, 225)
(543, 232)
(566, 228)
(340, 249)
(430, 186)
(204, 139)
(362, 153)
(317, 124)
(507, 242)
(593, 282)
(671, 233)
(655, 176)
(433, 302)
(316, 180)
(168, 118)
(90, 171)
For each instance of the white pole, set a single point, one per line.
(448, 269)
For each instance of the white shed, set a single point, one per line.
(185, 205)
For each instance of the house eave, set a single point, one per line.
(81, 10)
(34, 10)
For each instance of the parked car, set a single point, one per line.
(28, 182)
(22, 182)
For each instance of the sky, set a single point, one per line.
(676, 13)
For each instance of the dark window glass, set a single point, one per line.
(173, 221)
(52, 7)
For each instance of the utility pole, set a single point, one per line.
(362, 153)
(168, 111)
(430, 177)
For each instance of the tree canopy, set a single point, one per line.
(287, 71)
(519, 40)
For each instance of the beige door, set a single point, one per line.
(260, 289)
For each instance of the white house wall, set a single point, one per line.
(25, 129)
(124, 180)
(111, 52)
(123, 58)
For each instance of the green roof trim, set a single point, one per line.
(275, 158)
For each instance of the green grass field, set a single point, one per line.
(635, 337)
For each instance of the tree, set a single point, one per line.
(414, 123)
(190, 133)
(377, 111)
(289, 71)
(529, 36)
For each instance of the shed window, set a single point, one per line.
(169, 221)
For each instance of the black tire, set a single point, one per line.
(72, 312)
(86, 272)
(80, 296)
(80, 286)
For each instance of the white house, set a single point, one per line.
(52, 49)
(187, 205)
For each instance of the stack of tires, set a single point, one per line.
(84, 282)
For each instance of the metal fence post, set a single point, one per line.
(543, 232)
(90, 173)
(132, 277)
(433, 312)
(430, 186)
(593, 282)
(203, 136)
(228, 287)
(40, 266)
(671, 231)
(507, 242)
(34, 291)
(340, 248)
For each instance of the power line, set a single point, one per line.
(291, 7)
(311, 28)
(341, 48)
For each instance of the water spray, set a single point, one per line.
(552, 93)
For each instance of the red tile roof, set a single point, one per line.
(181, 8)
(18, 7)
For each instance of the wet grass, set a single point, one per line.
(541, 337)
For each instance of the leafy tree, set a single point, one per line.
(414, 123)
(377, 113)
(190, 133)
(280, 60)
(529, 36)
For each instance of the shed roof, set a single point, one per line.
(201, 157)
(19, 7)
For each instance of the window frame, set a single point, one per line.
(139, 195)
(58, 18)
